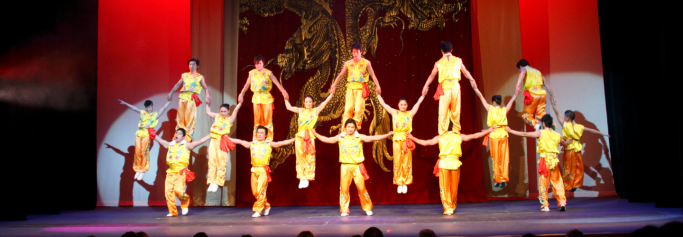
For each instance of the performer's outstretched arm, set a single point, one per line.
(161, 111)
(520, 79)
(322, 105)
(557, 113)
(161, 142)
(512, 100)
(467, 75)
(244, 143)
(416, 106)
(339, 77)
(209, 113)
(233, 116)
(244, 89)
(595, 131)
(429, 142)
(386, 107)
(289, 107)
(375, 137)
(175, 88)
(282, 89)
(550, 89)
(281, 143)
(192, 145)
(330, 140)
(425, 89)
(534, 134)
(131, 107)
(374, 78)
(465, 137)
(483, 100)
(206, 89)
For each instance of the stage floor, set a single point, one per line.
(590, 215)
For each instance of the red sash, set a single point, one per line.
(363, 171)
(152, 133)
(436, 169)
(308, 144)
(267, 168)
(439, 92)
(196, 99)
(189, 175)
(527, 97)
(408, 145)
(542, 167)
(226, 144)
(366, 92)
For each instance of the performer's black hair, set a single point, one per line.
(262, 127)
(226, 106)
(259, 58)
(148, 103)
(547, 120)
(522, 63)
(498, 99)
(308, 96)
(446, 46)
(351, 121)
(196, 61)
(182, 130)
(404, 99)
(357, 46)
(570, 114)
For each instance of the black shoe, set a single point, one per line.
(563, 208)
(497, 185)
(573, 190)
(503, 184)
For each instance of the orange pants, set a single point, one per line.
(186, 118)
(535, 108)
(349, 173)
(259, 185)
(555, 178)
(403, 165)
(305, 163)
(175, 187)
(572, 174)
(449, 110)
(141, 163)
(217, 163)
(448, 187)
(354, 107)
(500, 155)
(263, 116)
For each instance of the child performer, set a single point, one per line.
(148, 121)
(261, 81)
(547, 148)
(260, 171)
(447, 168)
(220, 144)
(498, 139)
(305, 140)
(178, 158)
(352, 168)
(572, 174)
(403, 155)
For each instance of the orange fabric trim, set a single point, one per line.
(408, 145)
(363, 171)
(436, 169)
(439, 92)
(542, 167)
(308, 144)
(267, 168)
(366, 92)
(189, 175)
(226, 144)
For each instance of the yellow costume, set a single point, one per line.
(178, 158)
(449, 102)
(547, 149)
(305, 144)
(403, 158)
(357, 80)
(350, 156)
(534, 84)
(260, 173)
(449, 170)
(218, 159)
(262, 100)
(572, 174)
(147, 121)
(498, 144)
(187, 107)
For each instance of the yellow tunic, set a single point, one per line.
(497, 117)
(191, 85)
(147, 120)
(573, 131)
(260, 153)
(178, 157)
(534, 81)
(307, 120)
(357, 73)
(403, 124)
(350, 149)
(547, 147)
(449, 72)
(220, 127)
(261, 85)
(450, 151)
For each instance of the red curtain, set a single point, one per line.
(400, 74)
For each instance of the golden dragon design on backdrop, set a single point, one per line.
(320, 44)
